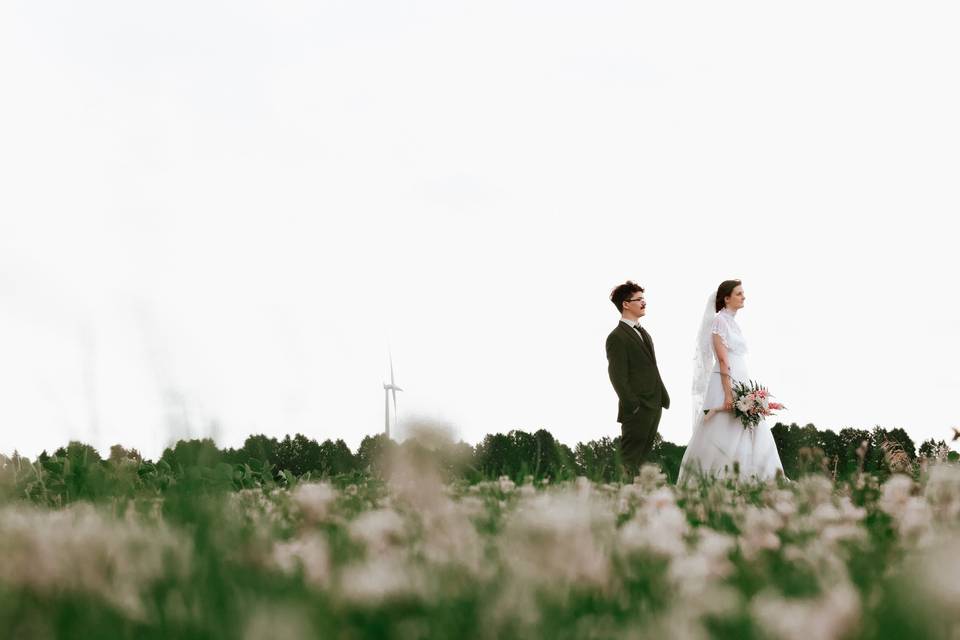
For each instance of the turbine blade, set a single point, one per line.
(392, 381)
(394, 406)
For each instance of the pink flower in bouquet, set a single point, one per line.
(752, 403)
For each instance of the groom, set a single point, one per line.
(632, 364)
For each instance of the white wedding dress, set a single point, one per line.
(720, 443)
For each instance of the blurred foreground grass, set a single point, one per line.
(131, 550)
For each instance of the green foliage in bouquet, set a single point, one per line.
(752, 393)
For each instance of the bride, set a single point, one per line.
(720, 442)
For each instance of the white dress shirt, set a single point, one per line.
(635, 325)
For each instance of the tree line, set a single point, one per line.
(517, 454)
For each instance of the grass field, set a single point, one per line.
(414, 557)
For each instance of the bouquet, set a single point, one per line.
(752, 403)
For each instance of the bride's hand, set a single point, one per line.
(728, 404)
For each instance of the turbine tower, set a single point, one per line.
(387, 390)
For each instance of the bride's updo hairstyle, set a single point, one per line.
(725, 289)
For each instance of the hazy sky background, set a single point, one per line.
(225, 211)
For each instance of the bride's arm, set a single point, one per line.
(721, 350)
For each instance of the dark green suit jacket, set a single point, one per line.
(632, 364)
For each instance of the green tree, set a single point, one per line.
(931, 448)
(76, 472)
(599, 460)
(554, 460)
(335, 458)
(259, 448)
(524, 454)
(905, 441)
(118, 454)
(372, 453)
(850, 442)
(494, 454)
(192, 453)
(668, 455)
(298, 454)
(829, 443)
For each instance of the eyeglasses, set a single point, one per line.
(638, 300)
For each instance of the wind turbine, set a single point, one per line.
(387, 389)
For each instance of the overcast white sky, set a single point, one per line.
(224, 211)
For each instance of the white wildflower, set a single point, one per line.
(783, 502)
(759, 531)
(629, 496)
(658, 526)
(583, 485)
(308, 553)
(650, 477)
(315, 500)
(915, 523)
(693, 573)
(378, 529)
(551, 540)
(277, 623)
(450, 538)
(381, 579)
(942, 492)
(471, 507)
(849, 512)
(813, 490)
(80, 550)
(896, 493)
(933, 589)
(835, 614)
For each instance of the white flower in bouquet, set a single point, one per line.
(752, 403)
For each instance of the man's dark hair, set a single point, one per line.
(725, 289)
(623, 293)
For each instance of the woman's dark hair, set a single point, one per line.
(725, 289)
(623, 293)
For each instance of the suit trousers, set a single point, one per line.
(636, 437)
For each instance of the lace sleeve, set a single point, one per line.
(721, 329)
